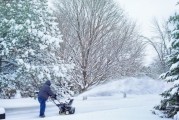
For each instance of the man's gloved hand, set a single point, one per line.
(55, 96)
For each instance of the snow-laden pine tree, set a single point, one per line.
(170, 103)
(30, 40)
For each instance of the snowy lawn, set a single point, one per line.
(104, 102)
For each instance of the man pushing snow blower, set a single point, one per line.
(43, 95)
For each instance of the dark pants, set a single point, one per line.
(42, 102)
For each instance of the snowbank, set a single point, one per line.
(2, 110)
(2, 113)
(134, 86)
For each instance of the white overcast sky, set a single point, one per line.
(144, 11)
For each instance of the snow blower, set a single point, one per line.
(64, 107)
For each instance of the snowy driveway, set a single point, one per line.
(136, 107)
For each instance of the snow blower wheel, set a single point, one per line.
(67, 112)
(60, 111)
(72, 111)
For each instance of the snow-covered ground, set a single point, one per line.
(104, 102)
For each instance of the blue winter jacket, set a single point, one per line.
(45, 91)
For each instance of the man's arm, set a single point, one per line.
(51, 94)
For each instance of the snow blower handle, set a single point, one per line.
(54, 97)
(55, 101)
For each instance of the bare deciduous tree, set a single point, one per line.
(160, 42)
(98, 39)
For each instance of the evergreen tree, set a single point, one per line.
(171, 96)
(30, 41)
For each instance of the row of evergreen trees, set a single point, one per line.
(170, 102)
(29, 44)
